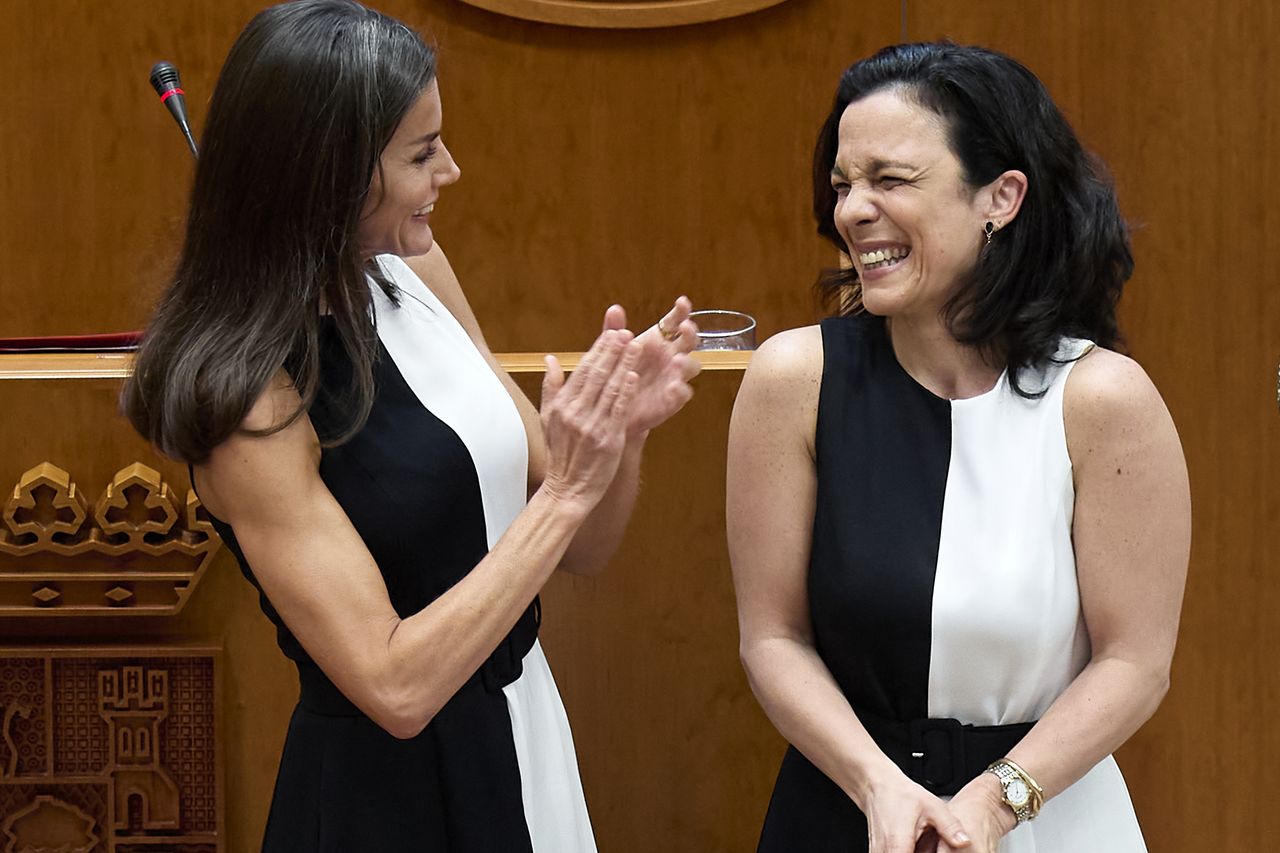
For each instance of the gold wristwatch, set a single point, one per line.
(1019, 791)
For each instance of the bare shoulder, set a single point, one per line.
(778, 400)
(1106, 388)
(1110, 406)
(788, 358)
(249, 473)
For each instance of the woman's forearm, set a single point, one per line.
(430, 655)
(1106, 703)
(598, 538)
(807, 707)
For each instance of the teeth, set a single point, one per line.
(879, 256)
(424, 211)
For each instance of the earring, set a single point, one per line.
(989, 229)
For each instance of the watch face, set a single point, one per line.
(1015, 791)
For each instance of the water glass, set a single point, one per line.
(720, 329)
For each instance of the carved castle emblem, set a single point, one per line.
(132, 554)
(111, 750)
(134, 704)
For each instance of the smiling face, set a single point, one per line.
(912, 224)
(413, 168)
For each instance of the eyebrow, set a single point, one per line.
(430, 137)
(877, 165)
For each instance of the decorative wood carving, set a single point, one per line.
(623, 14)
(110, 749)
(133, 554)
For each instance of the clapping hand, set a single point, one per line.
(664, 365)
(584, 419)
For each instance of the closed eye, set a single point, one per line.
(425, 155)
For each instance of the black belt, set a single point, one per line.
(942, 755)
(319, 695)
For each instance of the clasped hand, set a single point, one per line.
(905, 818)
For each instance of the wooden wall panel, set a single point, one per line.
(92, 185)
(638, 165)
(597, 165)
(1180, 98)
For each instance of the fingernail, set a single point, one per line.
(962, 837)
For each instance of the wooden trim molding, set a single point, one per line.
(115, 365)
(531, 362)
(635, 14)
(132, 555)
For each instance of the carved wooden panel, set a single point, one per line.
(110, 749)
(623, 14)
(132, 553)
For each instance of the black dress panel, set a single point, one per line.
(408, 485)
(943, 590)
(882, 448)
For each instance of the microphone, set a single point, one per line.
(164, 79)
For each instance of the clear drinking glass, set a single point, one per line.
(720, 329)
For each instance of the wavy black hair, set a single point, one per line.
(309, 96)
(1059, 267)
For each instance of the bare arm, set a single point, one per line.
(664, 370)
(1132, 537)
(322, 580)
(772, 485)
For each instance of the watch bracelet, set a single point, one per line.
(1037, 793)
(1004, 769)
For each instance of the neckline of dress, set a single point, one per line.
(887, 342)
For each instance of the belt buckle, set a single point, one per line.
(939, 764)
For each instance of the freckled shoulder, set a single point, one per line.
(791, 356)
(1108, 400)
(782, 384)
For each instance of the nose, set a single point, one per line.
(856, 208)
(450, 173)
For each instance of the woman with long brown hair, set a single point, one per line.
(316, 362)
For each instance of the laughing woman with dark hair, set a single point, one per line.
(959, 521)
(393, 495)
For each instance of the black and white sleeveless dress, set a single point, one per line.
(430, 483)
(943, 591)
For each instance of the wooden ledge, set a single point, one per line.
(531, 362)
(116, 365)
(65, 365)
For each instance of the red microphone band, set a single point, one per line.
(171, 93)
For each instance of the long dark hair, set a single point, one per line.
(308, 98)
(1059, 267)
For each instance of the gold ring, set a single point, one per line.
(668, 335)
